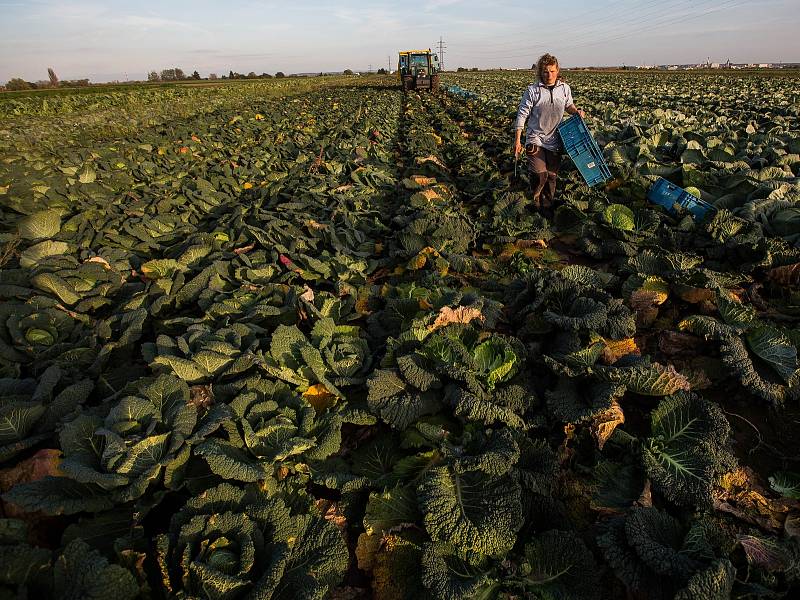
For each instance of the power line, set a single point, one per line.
(442, 48)
(634, 27)
(628, 24)
(571, 28)
(601, 8)
(729, 4)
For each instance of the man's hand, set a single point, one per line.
(517, 145)
(574, 110)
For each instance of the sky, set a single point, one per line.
(114, 40)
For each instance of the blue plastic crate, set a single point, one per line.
(574, 130)
(667, 194)
(457, 90)
(584, 151)
(590, 162)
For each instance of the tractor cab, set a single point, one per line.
(418, 70)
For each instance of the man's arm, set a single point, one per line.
(574, 110)
(570, 103)
(523, 111)
(517, 141)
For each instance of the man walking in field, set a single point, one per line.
(543, 105)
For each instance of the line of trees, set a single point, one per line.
(17, 84)
(252, 75)
(174, 74)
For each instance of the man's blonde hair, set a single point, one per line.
(546, 60)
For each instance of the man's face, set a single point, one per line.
(550, 74)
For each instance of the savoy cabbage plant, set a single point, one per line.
(763, 356)
(233, 542)
(571, 357)
(143, 439)
(205, 353)
(30, 409)
(335, 356)
(266, 306)
(653, 553)
(573, 300)
(619, 231)
(688, 449)
(77, 571)
(472, 496)
(453, 575)
(557, 564)
(478, 372)
(273, 426)
(25, 567)
(37, 330)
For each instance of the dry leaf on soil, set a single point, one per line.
(785, 275)
(741, 494)
(616, 349)
(460, 314)
(604, 424)
(319, 397)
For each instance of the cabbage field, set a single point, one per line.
(306, 339)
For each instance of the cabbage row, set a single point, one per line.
(319, 345)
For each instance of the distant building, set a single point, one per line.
(764, 66)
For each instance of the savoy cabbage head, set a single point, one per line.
(232, 542)
(763, 356)
(38, 331)
(334, 355)
(653, 553)
(453, 575)
(30, 409)
(472, 500)
(77, 571)
(688, 448)
(272, 426)
(114, 459)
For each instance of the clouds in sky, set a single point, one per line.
(115, 39)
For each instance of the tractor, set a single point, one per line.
(418, 70)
